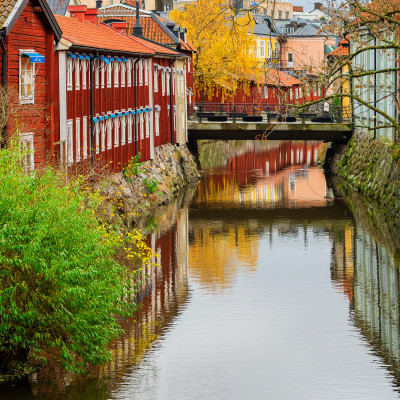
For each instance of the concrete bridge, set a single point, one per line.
(230, 130)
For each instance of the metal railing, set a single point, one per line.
(238, 112)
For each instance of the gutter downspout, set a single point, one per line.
(91, 107)
(135, 97)
(171, 114)
(4, 83)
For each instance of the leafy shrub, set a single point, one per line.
(151, 184)
(133, 168)
(60, 286)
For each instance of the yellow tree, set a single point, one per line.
(224, 45)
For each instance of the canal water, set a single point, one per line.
(273, 286)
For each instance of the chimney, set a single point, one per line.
(99, 3)
(137, 29)
(91, 15)
(317, 6)
(77, 12)
(120, 26)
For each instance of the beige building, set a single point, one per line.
(274, 9)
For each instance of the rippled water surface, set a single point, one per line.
(270, 288)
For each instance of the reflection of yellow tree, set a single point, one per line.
(223, 44)
(217, 253)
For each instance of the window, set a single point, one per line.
(255, 49)
(109, 74)
(155, 78)
(84, 73)
(163, 81)
(262, 48)
(77, 74)
(69, 73)
(140, 72)
(109, 133)
(280, 14)
(287, 15)
(146, 72)
(84, 136)
(103, 67)
(116, 132)
(69, 148)
(26, 80)
(183, 120)
(141, 118)
(123, 126)
(157, 120)
(116, 73)
(148, 116)
(129, 68)
(103, 135)
(97, 137)
(27, 151)
(266, 92)
(78, 138)
(96, 66)
(168, 81)
(123, 74)
(290, 60)
(130, 117)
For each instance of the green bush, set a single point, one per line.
(151, 184)
(133, 168)
(60, 286)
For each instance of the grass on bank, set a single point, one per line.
(61, 287)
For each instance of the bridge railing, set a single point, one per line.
(237, 112)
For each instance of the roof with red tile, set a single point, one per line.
(343, 48)
(151, 29)
(99, 36)
(6, 8)
(156, 47)
(280, 78)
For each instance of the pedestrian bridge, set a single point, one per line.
(229, 130)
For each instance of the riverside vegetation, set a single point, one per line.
(65, 274)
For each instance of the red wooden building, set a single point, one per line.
(28, 33)
(127, 111)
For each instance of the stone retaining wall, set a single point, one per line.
(370, 166)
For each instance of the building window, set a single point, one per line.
(157, 120)
(168, 82)
(290, 60)
(84, 137)
(266, 92)
(130, 117)
(27, 151)
(69, 147)
(103, 67)
(96, 66)
(103, 136)
(69, 73)
(146, 72)
(123, 74)
(26, 80)
(84, 73)
(269, 49)
(77, 74)
(123, 129)
(109, 74)
(78, 139)
(109, 133)
(129, 68)
(163, 81)
(116, 73)
(141, 118)
(140, 72)
(262, 48)
(155, 78)
(148, 116)
(280, 14)
(116, 132)
(97, 137)
(287, 15)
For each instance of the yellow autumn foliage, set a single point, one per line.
(224, 43)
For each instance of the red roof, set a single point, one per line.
(280, 78)
(99, 36)
(343, 49)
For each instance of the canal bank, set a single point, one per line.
(141, 187)
(369, 166)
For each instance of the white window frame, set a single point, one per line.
(141, 120)
(148, 115)
(130, 125)
(155, 78)
(77, 73)
(109, 133)
(262, 49)
(103, 68)
(265, 92)
(116, 131)
(291, 62)
(163, 82)
(96, 66)
(85, 137)
(27, 145)
(140, 72)
(84, 73)
(97, 137)
(109, 74)
(69, 142)
(103, 128)
(129, 69)
(78, 139)
(116, 74)
(31, 98)
(70, 68)
(157, 120)
(123, 74)
(123, 128)
(168, 77)
(146, 72)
